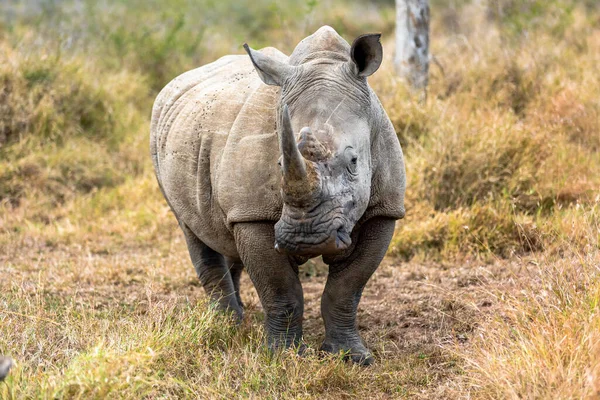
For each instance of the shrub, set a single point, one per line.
(61, 125)
(51, 99)
(487, 230)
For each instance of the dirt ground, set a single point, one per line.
(410, 312)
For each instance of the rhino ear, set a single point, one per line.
(367, 54)
(270, 71)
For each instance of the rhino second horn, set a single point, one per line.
(294, 166)
(310, 147)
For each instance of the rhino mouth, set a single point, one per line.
(309, 238)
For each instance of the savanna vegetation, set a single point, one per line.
(491, 287)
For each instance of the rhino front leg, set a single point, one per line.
(275, 278)
(345, 283)
(213, 273)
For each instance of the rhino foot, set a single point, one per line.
(358, 353)
(228, 308)
(237, 313)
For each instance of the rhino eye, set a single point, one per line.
(352, 164)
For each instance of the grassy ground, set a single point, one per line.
(490, 288)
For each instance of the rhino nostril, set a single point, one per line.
(349, 206)
(342, 239)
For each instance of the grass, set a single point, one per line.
(550, 335)
(490, 287)
(135, 324)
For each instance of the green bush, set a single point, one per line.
(521, 16)
(62, 123)
(488, 230)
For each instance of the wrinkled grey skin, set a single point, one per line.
(268, 160)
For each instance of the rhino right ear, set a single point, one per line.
(270, 71)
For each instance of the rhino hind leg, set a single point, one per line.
(345, 283)
(275, 277)
(235, 270)
(214, 274)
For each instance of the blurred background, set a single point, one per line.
(508, 138)
(510, 134)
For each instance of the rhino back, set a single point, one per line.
(214, 148)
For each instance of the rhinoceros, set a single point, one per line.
(5, 366)
(267, 161)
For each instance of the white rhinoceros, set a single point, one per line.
(247, 191)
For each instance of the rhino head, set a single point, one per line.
(326, 120)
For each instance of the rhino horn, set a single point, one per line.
(294, 165)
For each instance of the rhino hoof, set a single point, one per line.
(362, 359)
(302, 350)
(357, 354)
(237, 315)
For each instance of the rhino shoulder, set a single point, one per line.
(388, 182)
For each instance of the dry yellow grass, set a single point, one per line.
(491, 286)
(133, 323)
(545, 341)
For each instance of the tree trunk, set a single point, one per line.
(412, 42)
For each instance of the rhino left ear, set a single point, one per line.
(270, 71)
(367, 54)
